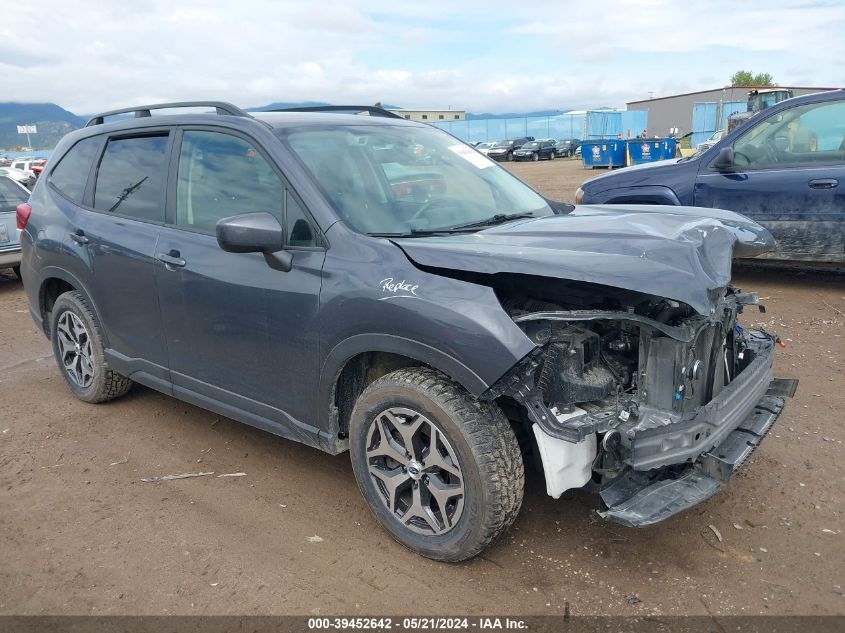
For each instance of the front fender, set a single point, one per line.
(343, 352)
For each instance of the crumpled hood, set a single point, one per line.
(681, 253)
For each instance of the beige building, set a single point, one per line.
(431, 116)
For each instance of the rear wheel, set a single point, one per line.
(439, 469)
(552, 155)
(536, 157)
(78, 347)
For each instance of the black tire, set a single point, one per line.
(509, 156)
(552, 156)
(105, 384)
(17, 271)
(488, 457)
(536, 157)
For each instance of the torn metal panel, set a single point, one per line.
(640, 499)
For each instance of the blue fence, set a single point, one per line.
(706, 114)
(594, 124)
(39, 153)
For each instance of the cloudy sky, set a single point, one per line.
(466, 54)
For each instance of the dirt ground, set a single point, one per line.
(80, 533)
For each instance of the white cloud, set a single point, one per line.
(493, 56)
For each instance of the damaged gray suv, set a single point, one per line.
(357, 282)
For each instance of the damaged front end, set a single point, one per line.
(657, 403)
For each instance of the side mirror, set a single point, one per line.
(724, 160)
(257, 232)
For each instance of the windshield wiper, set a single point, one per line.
(423, 232)
(499, 218)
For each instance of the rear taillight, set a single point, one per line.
(22, 214)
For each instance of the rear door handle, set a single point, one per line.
(79, 237)
(823, 183)
(172, 259)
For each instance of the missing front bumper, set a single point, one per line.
(639, 499)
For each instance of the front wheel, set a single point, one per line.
(552, 156)
(17, 271)
(439, 469)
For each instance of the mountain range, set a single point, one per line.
(52, 123)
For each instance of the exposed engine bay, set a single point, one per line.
(638, 384)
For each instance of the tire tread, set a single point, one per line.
(491, 440)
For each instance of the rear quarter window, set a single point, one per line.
(71, 174)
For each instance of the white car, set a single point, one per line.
(485, 147)
(18, 175)
(710, 142)
(26, 164)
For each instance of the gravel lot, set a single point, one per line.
(80, 533)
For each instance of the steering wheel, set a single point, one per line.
(770, 151)
(741, 159)
(434, 203)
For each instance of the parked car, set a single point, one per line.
(784, 168)
(38, 166)
(536, 150)
(566, 147)
(711, 141)
(23, 164)
(278, 278)
(485, 147)
(502, 150)
(12, 194)
(25, 178)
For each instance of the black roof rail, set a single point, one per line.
(369, 110)
(221, 107)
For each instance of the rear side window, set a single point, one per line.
(71, 174)
(131, 178)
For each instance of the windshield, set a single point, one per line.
(400, 179)
(531, 145)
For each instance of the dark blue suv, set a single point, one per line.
(784, 168)
(365, 283)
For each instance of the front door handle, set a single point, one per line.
(823, 183)
(172, 259)
(79, 237)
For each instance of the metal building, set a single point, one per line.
(431, 116)
(702, 112)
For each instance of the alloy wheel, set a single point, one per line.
(416, 471)
(75, 349)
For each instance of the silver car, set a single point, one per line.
(11, 195)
